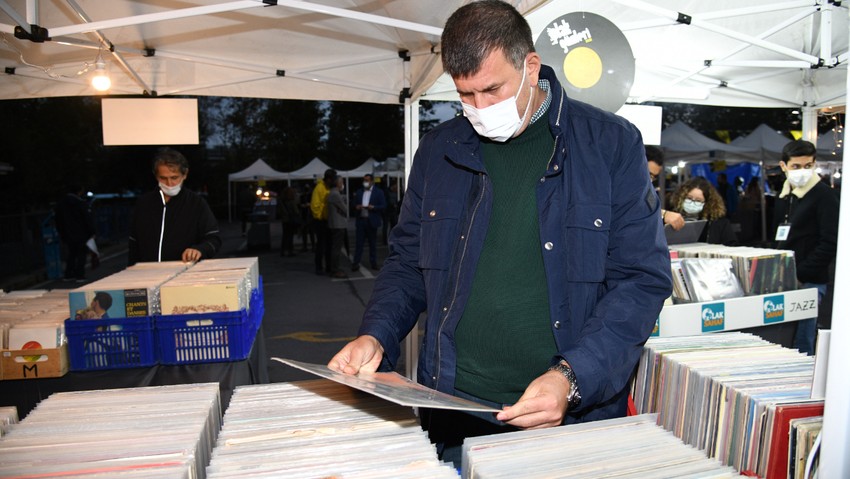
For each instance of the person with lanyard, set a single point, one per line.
(806, 219)
(530, 234)
(172, 223)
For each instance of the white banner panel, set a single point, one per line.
(150, 121)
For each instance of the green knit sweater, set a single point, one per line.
(504, 338)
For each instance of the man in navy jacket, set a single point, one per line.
(369, 204)
(530, 234)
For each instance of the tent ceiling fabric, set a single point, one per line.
(772, 73)
(290, 50)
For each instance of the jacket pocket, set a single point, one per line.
(438, 234)
(587, 229)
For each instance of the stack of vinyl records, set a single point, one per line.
(251, 265)
(704, 279)
(8, 418)
(133, 292)
(715, 392)
(802, 435)
(165, 431)
(759, 270)
(313, 429)
(212, 286)
(630, 447)
(33, 319)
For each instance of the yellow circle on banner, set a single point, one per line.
(582, 67)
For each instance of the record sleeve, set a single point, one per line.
(392, 387)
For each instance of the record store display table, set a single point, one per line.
(25, 394)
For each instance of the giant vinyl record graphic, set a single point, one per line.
(592, 58)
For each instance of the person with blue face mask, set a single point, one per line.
(530, 234)
(806, 221)
(698, 199)
(172, 223)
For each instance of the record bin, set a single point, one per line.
(34, 363)
(210, 337)
(112, 343)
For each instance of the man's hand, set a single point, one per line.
(364, 354)
(674, 219)
(191, 255)
(543, 404)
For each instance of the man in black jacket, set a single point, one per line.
(806, 217)
(75, 225)
(172, 223)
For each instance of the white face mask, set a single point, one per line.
(692, 207)
(171, 190)
(366, 185)
(500, 121)
(800, 177)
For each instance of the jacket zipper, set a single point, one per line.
(436, 377)
(161, 228)
(457, 278)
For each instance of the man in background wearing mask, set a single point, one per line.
(530, 234)
(806, 219)
(172, 223)
(370, 203)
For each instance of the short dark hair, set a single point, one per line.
(330, 174)
(654, 154)
(798, 148)
(103, 299)
(369, 175)
(171, 158)
(475, 30)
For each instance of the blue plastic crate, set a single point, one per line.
(209, 337)
(113, 343)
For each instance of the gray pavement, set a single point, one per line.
(308, 317)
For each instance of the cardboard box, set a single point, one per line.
(34, 363)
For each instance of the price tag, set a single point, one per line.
(782, 232)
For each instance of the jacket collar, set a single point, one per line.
(801, 191)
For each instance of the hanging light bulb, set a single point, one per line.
(100, 81)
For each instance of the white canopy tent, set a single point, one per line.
(765, 140)
(725, 52)
(365, 168)
(258, 171)
(682, 143)
(313, 170)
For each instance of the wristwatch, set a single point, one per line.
(574, 396)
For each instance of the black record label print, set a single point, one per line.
(591, 57)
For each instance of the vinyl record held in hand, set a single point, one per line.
(592, 58)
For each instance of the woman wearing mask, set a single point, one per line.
(697, 199)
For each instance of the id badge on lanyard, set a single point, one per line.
(782, 231)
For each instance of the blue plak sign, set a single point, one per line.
(713, 317)
(774, 309)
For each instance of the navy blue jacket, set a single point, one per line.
(603, 246)
(378, 202)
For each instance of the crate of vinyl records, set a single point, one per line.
(111, 320)
(707, 272)
(211, 313)
(111, 343)
(32, 334)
